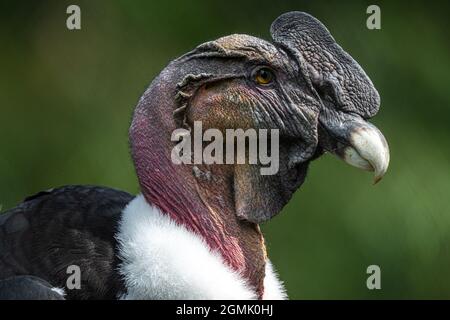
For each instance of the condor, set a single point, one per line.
(192, 232)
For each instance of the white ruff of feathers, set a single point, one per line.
(163, 260)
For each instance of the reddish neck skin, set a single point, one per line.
(203, 206)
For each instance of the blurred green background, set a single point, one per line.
(66, 99)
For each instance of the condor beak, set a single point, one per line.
(359, 143)
(368, 150)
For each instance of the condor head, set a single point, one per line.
(303, 84)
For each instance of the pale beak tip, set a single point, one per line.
(379, 174)
(377, 179)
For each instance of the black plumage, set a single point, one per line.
(72, 225)
(27, 288)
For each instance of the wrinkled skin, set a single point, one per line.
(319, 100)
(286, 104)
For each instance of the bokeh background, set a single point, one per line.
(66, 99)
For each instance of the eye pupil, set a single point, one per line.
(263, 76)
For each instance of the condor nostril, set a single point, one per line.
(325, 91)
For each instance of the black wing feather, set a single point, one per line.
(71, 225)
(27, 288)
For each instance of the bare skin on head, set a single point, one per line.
(302, 84)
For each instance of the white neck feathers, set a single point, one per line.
(163, 260)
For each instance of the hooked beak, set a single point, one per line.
(357, 142)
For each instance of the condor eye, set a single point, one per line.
(263, 76)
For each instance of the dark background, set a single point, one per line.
(66, 99)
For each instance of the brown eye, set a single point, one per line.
(263, 76)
